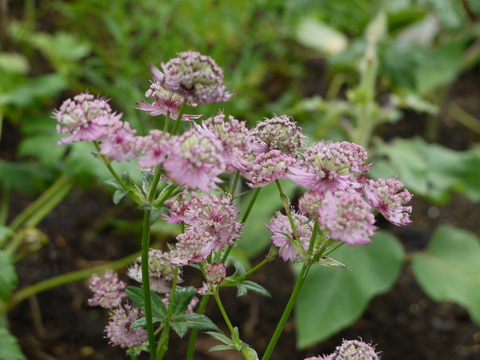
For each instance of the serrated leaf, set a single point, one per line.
(119, 195)
(221, 337)
(114, 183)
(136, 294)
(147, 179)
(449, 269)
(179, 326)
(198, 321)
(9, 346)
(220, 348)
(331, 298)
(142, 322)
(252, 286)
(8, 276)
(183, 297)
(159, 309)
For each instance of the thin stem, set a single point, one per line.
(146, 283)
(50, 198)
(65, 279)
(286, 312)
(238, 342)
(255, 268)
(194, 333)
(179, 117)
(167, 122)
(4, 205)
(286, 206)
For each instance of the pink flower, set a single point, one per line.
(194, 76)
(215, 273)
(118, 142)
(195, 160)
(108, 292)
(346, 217)
(278, 133)
(83, 118)
(281, 230)
(382, 195)
(234, 137)
(330, 166)
(154, 148)
(268, 167)
(192, 247)
(160, 271)
(118, 329)
(164, 102)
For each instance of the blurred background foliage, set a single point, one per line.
(309, 59)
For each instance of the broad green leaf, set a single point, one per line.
(183, 322)
(432, 170)
(449, 269)
(136, 294)
(255, 235)
(9, 349)
(8, 276)
(119, 195)
(332, 298)
(252, 286)
(22, 176)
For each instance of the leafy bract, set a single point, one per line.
(333, 298)
(449, 269)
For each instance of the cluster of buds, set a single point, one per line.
(351, 350)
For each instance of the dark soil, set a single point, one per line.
(404, 323)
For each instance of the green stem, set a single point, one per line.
(238, 342)
(255, 268)
(286, 312)
(43, 204)
(146, 283)
(167, 122)
(4, 205)
(194, 333)
(286, 206)
(28, 291)
(179, 117)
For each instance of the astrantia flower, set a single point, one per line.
(324, 357)
(278, 133)
(195, 160)
(84, 118)
(192, 247)
(355, 350)
(234, 137)
(160, 270)
(164, 102)
(118, 329)
(118, 142)
(215, 273)
(330, 166)
(309, 203)
(154, 148)
(382, 195)
(108, 291)
(280, 227)
(346, 217)
(196, 77)
(268, 167)
(216, 215)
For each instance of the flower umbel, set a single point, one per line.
(108, 291)
(118, 329)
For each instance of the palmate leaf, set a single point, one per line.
(183, 297)
(449, 269)
(159, 311)
(333, 298)
(195, 321)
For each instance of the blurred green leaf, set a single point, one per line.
(22, 176)
(9, 346)
(449, 269)
(431, 170)
(319, 36)
(8, 276)
(332, 298)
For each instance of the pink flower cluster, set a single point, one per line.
(351, 350)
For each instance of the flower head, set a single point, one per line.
(278, 133)
(215, 273)
(383, 196)
(194, 76)
(192, 247)
(118, 142)
(330, 166)
(153, 148)
(355, 350)
(108, 291)
(160, 270)
(118, 329)
(83, 118)
(234, 137)
(268, 167)
(310, 202)
(164, 102)
(282, 232)
(346, 217)
(195, 160)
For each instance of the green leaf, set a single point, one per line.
(159, 310)
(136, 294)
(142, 322)
(183, 297)
(8, 276)
(179, 325)
(147, 179)
(220, 337)
(119, 195)
(9, 349)
(252, 286)
(449, 269)
(332, 298)
(220, 348)
(114, 183)
(22, 176)
(183, 322)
